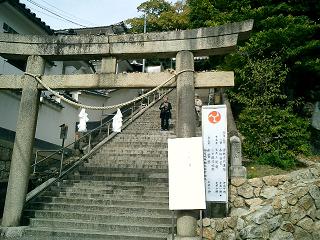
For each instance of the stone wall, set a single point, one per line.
(5, 155)
(272, 207)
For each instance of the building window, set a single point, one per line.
(8, 29)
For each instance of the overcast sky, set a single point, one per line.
(88, 13)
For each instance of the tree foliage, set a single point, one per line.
(161, 16)
(277, 70)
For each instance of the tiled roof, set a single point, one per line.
(118, 28)
(30, 15)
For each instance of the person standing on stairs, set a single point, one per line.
(198, 106)
(165, 113)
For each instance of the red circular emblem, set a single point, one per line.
(214, 117)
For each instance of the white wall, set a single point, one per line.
(50, 116)
(17, 21)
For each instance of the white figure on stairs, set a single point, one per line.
(83, 119)
(117, 121)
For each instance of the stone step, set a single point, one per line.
(126, 151)
(162, 136)
(115, 209)
(127, 159)
(99, 217)
(69, 234)
(121, 192)
(130, 163)
(126, 185)
(104, 202)
(120, 172)
(110, 190)
(145, 196)
(134, 144)
(155, 179)
(153, 132)
(103, 227)
(133, 154)
(125, 164)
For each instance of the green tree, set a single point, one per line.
(161, 16)
(277, 71)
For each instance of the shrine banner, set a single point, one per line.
(215, 155)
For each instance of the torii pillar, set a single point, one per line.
(186, 127)
(23, 145)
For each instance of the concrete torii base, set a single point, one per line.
(183, 238)
(12, 232)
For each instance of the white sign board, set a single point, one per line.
(215, 156)
(186, 176)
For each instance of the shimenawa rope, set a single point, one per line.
(79, 105)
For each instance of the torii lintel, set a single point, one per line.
(201, 42)
(124, 80)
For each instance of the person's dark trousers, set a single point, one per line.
(165, 123)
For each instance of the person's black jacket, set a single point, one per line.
(165, 111)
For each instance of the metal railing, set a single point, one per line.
(88, 141)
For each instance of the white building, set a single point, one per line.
(15, 18)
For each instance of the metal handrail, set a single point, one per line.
(60, 150)
(132, 109)
(31, 195)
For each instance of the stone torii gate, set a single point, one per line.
(183, 45)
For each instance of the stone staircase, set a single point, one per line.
(119, 193)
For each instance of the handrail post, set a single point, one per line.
(89, 143)
(62, 157)
(35, 163)
(131, 114)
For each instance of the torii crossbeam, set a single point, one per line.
(183, 45)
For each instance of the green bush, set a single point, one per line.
(277, 159)
(273, 135)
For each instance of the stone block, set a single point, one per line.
(274, 223)
(245, 191)
(253, 202)
(238, 171)
(257, 191)
(306, 202)
(292, 199)
(206, 222)
(220, 225)
(312, 211)
(314, 192)
(240, 224)
(268, 192)
(238, 212)
(238, 202)
(238, 181)
(256, 182)
(297, 213)
(2, 165)
(228, 234)
(306, 224)
(255, 232)
(271, 180)
(281, 235)
(231, 222)
(301, 234)
(260, 215)
(300, 191)
(316, 230)
(287, 226)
